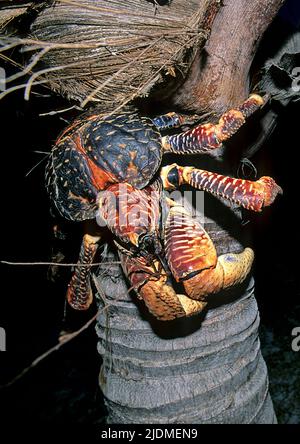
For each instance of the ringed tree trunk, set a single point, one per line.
(209, 368)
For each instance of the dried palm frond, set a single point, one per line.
(112, 51)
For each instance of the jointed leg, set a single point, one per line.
(79, 294)
(253, 195)
(206, 137)
(173, 120)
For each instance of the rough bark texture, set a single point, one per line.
(190, 371)
(219, 76)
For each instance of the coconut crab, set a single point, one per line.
(101, 158)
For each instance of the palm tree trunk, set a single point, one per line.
(215, 374)
(205, 369)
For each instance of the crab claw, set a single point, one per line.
(193, 260)
(231, 269)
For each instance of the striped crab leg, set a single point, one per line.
(156, 290)
(79, 293)
(207, 137)
(173, 120)
(252, 195)
(193, 260)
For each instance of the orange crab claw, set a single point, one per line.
(193, 260)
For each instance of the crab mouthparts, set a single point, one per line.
(149, 245)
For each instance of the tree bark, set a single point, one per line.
(187, 371)
(219, 76)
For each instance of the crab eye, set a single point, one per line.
(173, 177)
(149, 243)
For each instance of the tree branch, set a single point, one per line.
(219, 76)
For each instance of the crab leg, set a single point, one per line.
(173, 120)
(156, 291)
(193, 260)
(206, 137)
(79, 294)
(253, 195)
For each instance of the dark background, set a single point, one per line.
(63, 388)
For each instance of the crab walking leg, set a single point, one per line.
(193, 260)
(252, 195)
(173, 120)
(207, 137)
(79, 294)
(156, 291)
